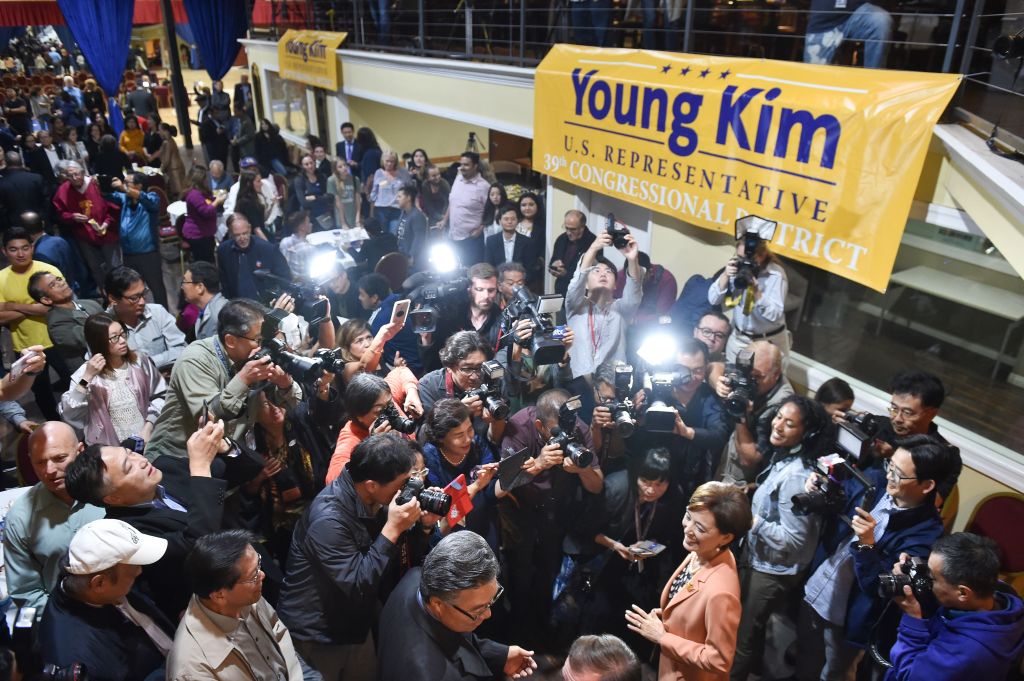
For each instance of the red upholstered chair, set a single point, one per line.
(999, 517)
(395, 268)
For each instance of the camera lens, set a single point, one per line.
(498, 407)
(579, 455)
(434, 501)
(624, 423)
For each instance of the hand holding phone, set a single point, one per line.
(204, 415)
(20, 364)
(399, 311)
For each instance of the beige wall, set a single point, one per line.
(404, 130)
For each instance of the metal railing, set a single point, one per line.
(926, 35)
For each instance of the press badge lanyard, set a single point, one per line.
(222, 358)
(594, 337)
(642, 530)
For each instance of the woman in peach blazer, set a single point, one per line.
(695, 627)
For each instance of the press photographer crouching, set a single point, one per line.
(219, 372)
(749, 387)
(559, 467)
(681, 412)
(469, 375)
(346, 558)
(371, 408)
(977, 631)
(840, 605)
(428, 623)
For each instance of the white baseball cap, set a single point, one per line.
(104, 543)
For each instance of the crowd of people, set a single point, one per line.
(313, 469)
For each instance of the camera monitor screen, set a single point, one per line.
(849, 439)
(549, 304)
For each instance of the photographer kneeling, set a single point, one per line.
(345, 558)
(465, 362)
(977, 632)
(218, 372)
(840, 598)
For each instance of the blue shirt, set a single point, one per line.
(56, 251)
(136, 222)
(405, 341)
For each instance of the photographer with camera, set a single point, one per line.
(465, 358)
(345, 558)
(484, 315)
(781, 542)
(569, 246)
(754, 284)
(561, 466)
(591, 310)
(371, 405)
(840, 604)
(755, 385)
(977, 631)
(691, 424)
(218, 371)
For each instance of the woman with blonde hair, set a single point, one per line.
(388, 179)
(695, 627)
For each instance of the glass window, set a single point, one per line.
(952, 304)
(288, 106)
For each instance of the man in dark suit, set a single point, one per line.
(565, 255)
(243, 96)
(174, 498)
(21, 191)
(511, 246)
(347, 148)
(432, 614)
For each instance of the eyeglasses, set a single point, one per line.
(711, 333)
(487, 607)
(118, 336)
(255, 578)
(471, 371)
(137, 297)
(895, 474)
(422, 473)
(902, 411)
(186, 281)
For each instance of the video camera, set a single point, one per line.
(431, 500)
(430, 291)
(857, 433)
(308, 303)
(622, 408)
(489, 391)
(618, 234)
(567, 437)
(830, 494)
(302, 369)
(399, 423)
(739, 376)
(754, 232)
(660, 416)
(547, 343)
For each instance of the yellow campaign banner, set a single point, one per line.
(832, 154)
(308, 57)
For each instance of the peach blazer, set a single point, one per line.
(701, 623)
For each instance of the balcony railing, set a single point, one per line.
(951, 36)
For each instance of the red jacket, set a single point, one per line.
(68, 201)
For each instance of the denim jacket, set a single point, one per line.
(782, 542)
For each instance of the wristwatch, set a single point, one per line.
(859, 547)
(84, 383)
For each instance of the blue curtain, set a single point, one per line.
(217, 26)
(103, 31)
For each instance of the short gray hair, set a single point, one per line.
(462, 560)
(606, 655)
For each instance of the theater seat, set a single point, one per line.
(999, 517)
(395, 268)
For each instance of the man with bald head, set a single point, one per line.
(742, 461)
(40, 524)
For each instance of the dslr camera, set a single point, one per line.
(389, 414)
(660, 416)
(618, 234)
(754, 232)
(308, 303)
(567, 437)
(333, 362)
(830, 496)
(431, 500)
(739, 376)
(489, 391)
(621, 407)
(914, 573)
(302, 369)
(547, 342)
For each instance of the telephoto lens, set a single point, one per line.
(431, 500)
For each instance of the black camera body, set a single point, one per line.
(747, 268)
(302, 369)
(332, 360)
(618, 234)
(915, 574)
(430, 293)
(567, 436)
(389, 414)
(739, 376)
(431, 500)
(660, 416)
(546, 343)
(489, 391)
(308, 303)
(830, 496)
(622, 408)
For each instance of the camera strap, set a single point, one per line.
(222, 357)
(595, 337)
